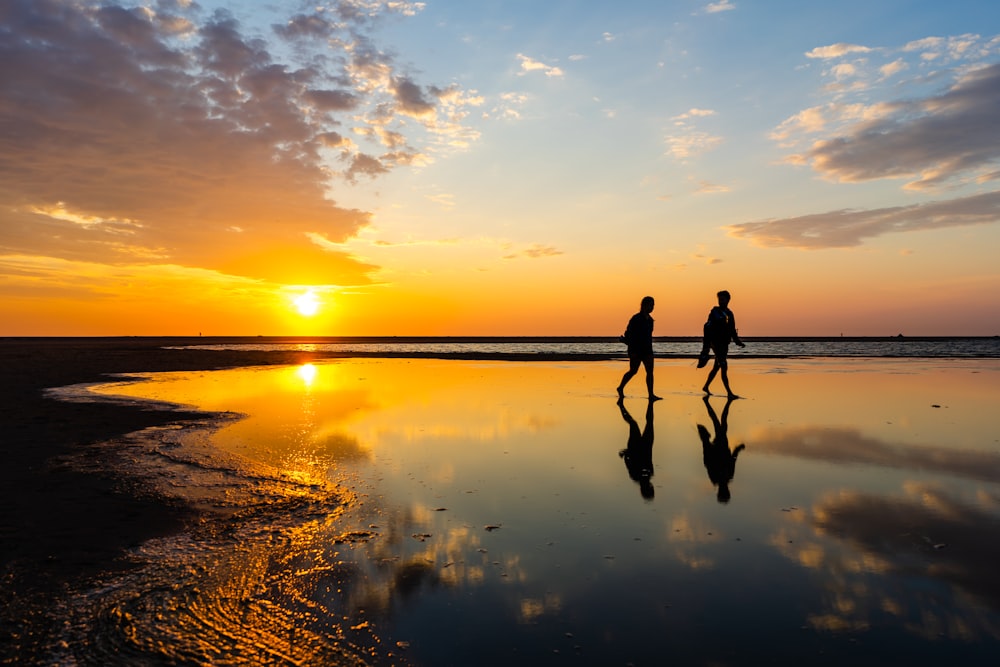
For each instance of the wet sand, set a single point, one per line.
(59, 526)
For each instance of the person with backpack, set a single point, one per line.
(720, 461)
(719, 331)
(638, 337)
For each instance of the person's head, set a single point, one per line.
(724, 297)
(723, 495)
(646, 305)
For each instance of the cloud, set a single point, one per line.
(721, 6)
(899, 555)
(535, 251)
(944, 136)
(836, 51)
(509, 107)
(893, 68)
(531, 65)
(59, 212)
(921, 535)
(685, 141)
(846, 446)
(690, 143)
(807, 120)
(932, 140)
(709, 188)
(445, 199)
(949, 48)
(815, 120)
(133, 133)
(365, 165)
(331, 100)
(849, 228)
(693, 113)
(703, 259)
(411, 98)
(941, 135)
(843, 71)
(927, 43)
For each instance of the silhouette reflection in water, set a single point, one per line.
(638, 454)
(720, 461)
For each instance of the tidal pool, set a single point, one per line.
(479, 512)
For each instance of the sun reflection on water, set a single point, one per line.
(308, 374)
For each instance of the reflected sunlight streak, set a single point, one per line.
(308, 374)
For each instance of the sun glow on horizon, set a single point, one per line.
(307, 303)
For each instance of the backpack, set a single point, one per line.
(626, 337)
(717, 326)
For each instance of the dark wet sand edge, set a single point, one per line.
(59, 526)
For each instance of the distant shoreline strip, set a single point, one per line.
(224, 340)
(532, 348)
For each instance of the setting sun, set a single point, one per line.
(307, 304)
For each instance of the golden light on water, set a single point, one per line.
(308, 374)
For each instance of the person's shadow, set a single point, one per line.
(720, 461)
(638, 454)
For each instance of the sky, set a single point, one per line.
(498, 167)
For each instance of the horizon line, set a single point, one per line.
(485, 338)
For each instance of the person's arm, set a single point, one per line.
(733, 332)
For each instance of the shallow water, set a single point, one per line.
(460, 512)
(926, 347)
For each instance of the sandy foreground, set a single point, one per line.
(60, 527)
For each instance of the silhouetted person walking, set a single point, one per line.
(639, 339)
(720, 462)
(719, 330)
(638, 454)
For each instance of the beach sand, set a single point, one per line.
(59, 526)
(533, 449)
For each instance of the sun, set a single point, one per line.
(307, 303)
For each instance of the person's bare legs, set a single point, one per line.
(725, 382)
(648, 363)
(721, 365)
(711, 376)
(633, 368)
